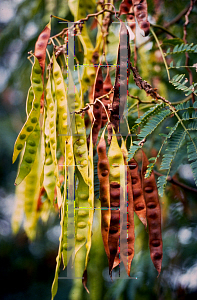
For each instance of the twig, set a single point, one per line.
(144, 85)
(176, 182)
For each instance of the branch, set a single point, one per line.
(144, 85)
(176, 182)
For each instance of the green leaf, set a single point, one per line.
(173, 41)
(192, 156)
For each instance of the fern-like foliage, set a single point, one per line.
(182, 49)
(192, 156)
(173, 146)
(149, 127)
(153, 123)
(149, 113)
(179, 84)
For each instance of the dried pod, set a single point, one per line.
(122, 74)
(103, 175)
(141, 14)
(127, 253)
(153, 212)
(138, 197)
(97, 109)
(107, 86)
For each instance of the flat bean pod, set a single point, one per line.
(29, 101)
(29, 155)
(103, 169)
(82, 194)
(33, 117)
(61, 103)
(79, 141)
(121, 82)
(138, 197)
(51, 120)
(49, 180)
(31, 193)
(107, 86)
(68, 227)
(91, 211)
(97, 108)
(153, 212)
(40, 53)
(116, 160)
(128, 225)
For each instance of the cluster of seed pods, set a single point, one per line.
(118, 179)
(136, 9)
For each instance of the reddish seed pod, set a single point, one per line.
(128, 221)
(103, 175)
(107, 86)
(121, 79)
(138, 197)
(40, 54)
(153, 212)
(141, 14)
(97, 109)
(114, 230)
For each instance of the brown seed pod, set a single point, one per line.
(138, 197)
(153, 212)
(125, 7)
(103, 175)
(131, 19)
(114, 230)
(97, 109)
(107, 86)
(121, 82)
(128, 224)
(141, 14)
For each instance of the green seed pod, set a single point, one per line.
(29, 155)
(33, 117)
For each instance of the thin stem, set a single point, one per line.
(176, 182)
(164, 60)
(164, 29)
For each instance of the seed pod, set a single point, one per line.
(141, 14)
(116, 160)
(61, 103)
(125, 6)
(33, 117)
(153, 212)
(82, 195)
(103, 175)
(121, 82)
(79, 141)
(40, 53)
(107, 86)
(131, 19)
(51, 123)
(97, 109)
(30, 194)
(138, 197)
(91, 211)
(127, 253)
(29, 155)
(29, 101)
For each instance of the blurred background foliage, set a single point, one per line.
(27, 268)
